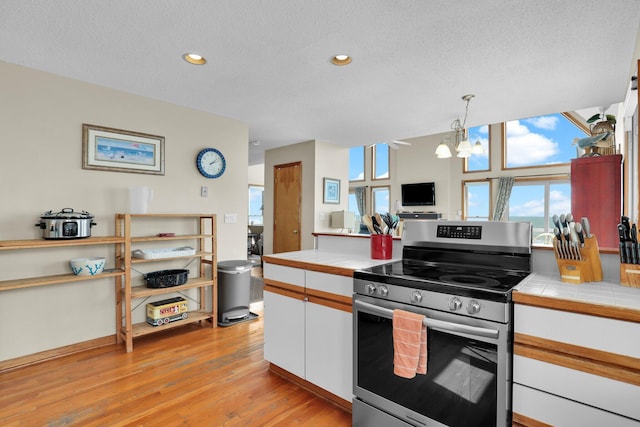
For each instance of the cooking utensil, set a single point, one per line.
(556, 221)
(380, 223)
(66, 224)
(569, 218)
(366, 220)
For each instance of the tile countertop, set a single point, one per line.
(324, 260)
(599, 293)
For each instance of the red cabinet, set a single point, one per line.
(596, 192)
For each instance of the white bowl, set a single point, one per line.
(87, 266)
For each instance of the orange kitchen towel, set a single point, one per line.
(409, 344)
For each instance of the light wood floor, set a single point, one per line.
(191, 376)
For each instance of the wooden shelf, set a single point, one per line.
(196, 255)
(6, 285)
(206, 251)
(141, 329)
(56, 243)
(143, 291)
(177, 237)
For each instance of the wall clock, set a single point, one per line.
(211, 163)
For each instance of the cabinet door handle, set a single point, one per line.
(295, 231)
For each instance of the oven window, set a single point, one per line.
(459, 388)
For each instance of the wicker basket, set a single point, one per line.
(166, 278)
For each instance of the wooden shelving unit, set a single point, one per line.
(126, 293)
(29, 282)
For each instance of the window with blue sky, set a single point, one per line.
(255, 204)
(477, 196)
(541, 141)
(356, 164)
(381, 161)
(478, 162)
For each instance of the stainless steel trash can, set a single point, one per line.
(234, 291)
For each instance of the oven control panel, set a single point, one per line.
(459, 231)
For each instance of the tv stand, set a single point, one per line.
(419, 215)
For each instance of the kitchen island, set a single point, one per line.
(576, 347)
(307, 317)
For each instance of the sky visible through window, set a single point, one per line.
(541, 141)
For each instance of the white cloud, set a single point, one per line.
(527, 148)
(544, 122)
(528, 208)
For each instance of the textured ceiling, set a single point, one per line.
(269, 61)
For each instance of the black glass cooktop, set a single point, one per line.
(411, 273)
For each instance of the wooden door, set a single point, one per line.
(287, 195)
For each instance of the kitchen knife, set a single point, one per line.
(624, 220)
(586, 227)
(563, 221)
(579, 233)
(635, 256)
(567, 239)
(623, 251)
(556, 221)
(569, 218)
(556, 232)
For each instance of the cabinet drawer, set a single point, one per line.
(331, 283)
(290, 275)
(557, 411)
(614, 396)
(598, 333)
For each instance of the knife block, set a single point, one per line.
(630, 275)
(588, 269)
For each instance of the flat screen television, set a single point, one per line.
(418, 194)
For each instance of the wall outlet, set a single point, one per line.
(230, 218)
(204, 191)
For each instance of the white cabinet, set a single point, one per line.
(308, 326)
(284, 332)
(575, 367)
(328, 349)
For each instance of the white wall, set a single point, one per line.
(319, 160)
(41, 117)
(332, 161)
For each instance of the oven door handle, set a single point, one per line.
(431, 323)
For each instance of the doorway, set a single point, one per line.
(287, 199)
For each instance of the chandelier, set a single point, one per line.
(461, 142)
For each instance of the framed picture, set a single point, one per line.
(331, 191)
(115, 150)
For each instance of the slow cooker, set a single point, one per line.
(66, 224)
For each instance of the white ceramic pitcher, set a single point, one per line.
(139, 199)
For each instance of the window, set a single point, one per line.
(380, 199)
(478, 162)
(540, 141)
(536, 201)
(353, 205)
(256, 207)
(356, 164)
(380, 161)
(477, 200)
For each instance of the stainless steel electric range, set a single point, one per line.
(460, 276)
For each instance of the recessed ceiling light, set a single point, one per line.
(341, 60)
(194, 58)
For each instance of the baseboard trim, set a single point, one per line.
(318, 391)
(32, 359)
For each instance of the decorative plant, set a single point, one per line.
(606, 117)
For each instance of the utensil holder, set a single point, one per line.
(630, 275)
(586, 269)
(381, 246)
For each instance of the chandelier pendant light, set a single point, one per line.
(461, 142)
